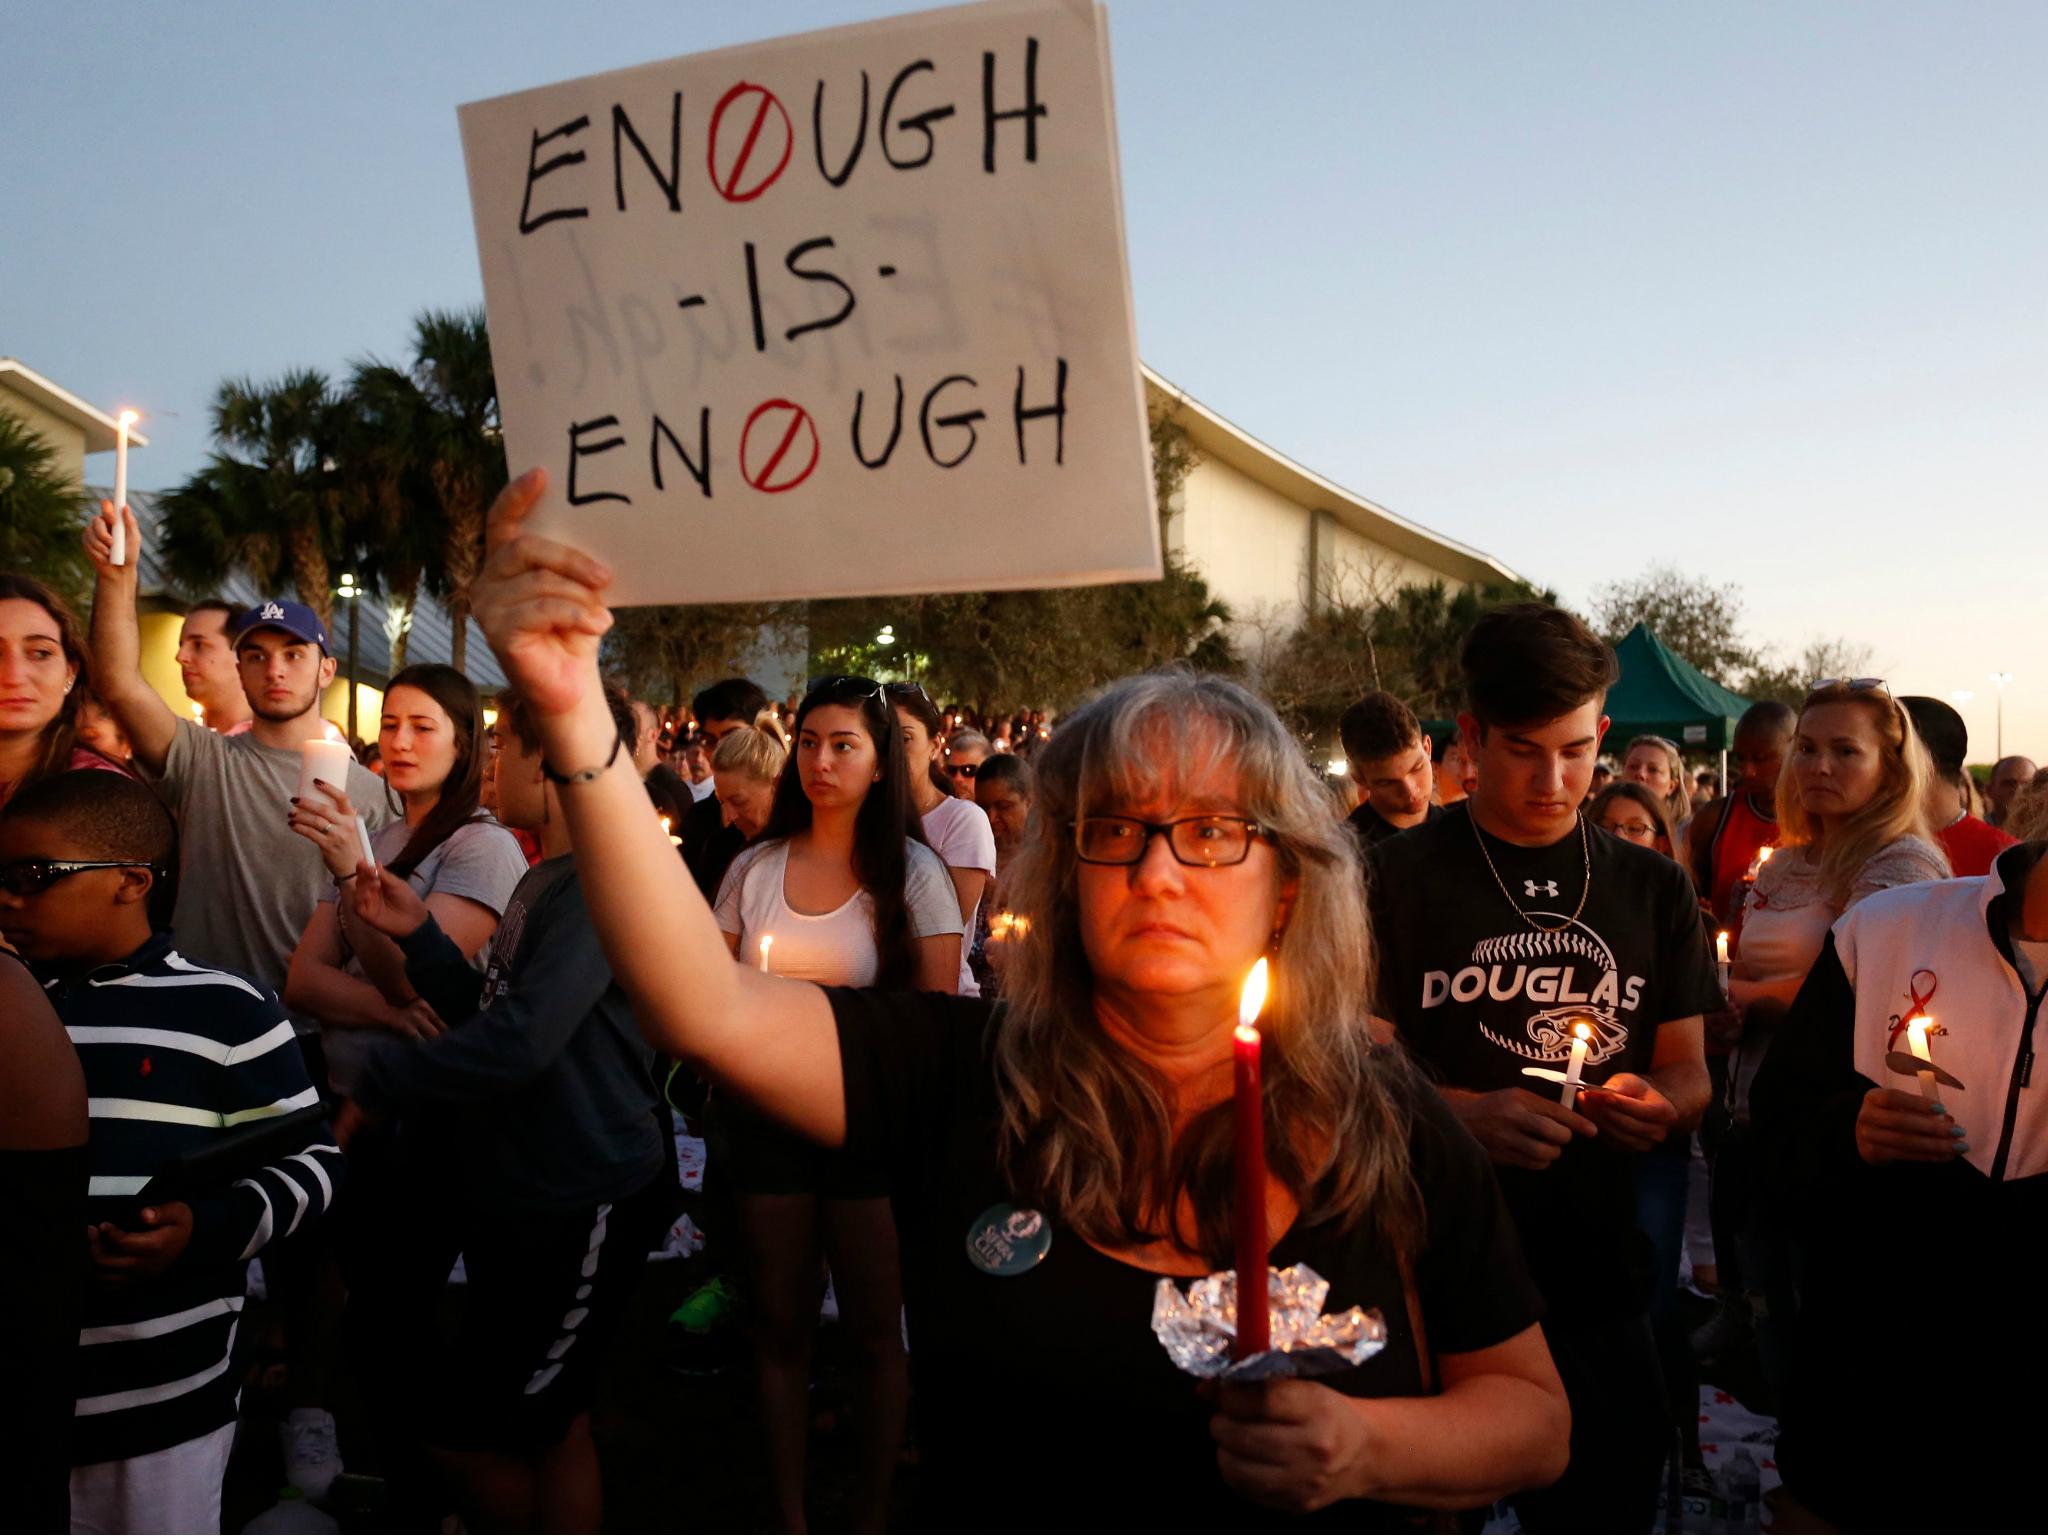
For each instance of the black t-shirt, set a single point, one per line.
(1371, 828)
(1045, 1400)
(709, 845)
(1478, 994)
(670, 794)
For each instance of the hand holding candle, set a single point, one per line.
(1253, 1316)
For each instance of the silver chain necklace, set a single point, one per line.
(1585, 888)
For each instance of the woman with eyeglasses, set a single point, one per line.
(956, 827)
(839, 890)
(1635, 813)
(1051, 1161)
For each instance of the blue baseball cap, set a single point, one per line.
(295, 619)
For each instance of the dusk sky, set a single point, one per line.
(1755, 289)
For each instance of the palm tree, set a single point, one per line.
(460, 448)
(40, 512)
(392, 508)
(268, 501)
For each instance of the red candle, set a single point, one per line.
(1253, 1319)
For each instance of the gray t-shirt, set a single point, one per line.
(479, 860)
(248, 883)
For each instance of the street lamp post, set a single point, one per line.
(349, 592)
(2001, 679)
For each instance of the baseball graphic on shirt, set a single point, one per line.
(1535, 986)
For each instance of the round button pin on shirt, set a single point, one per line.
(1008, 1240)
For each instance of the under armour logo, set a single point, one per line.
(270, 611)
(1542, 888)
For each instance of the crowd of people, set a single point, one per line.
(917, 977)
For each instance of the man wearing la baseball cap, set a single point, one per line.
(248, 883)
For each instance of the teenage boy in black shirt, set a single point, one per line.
(1502, 926)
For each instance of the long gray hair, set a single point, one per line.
(1087, 1130)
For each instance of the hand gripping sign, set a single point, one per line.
(841, 314)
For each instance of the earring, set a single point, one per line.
(67, 686)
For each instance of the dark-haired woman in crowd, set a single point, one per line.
(43, 687)
(351, 978)
(955, 826)
(840, 889)
(453, 852)
(1179, 837)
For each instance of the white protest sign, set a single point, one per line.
(840, 314)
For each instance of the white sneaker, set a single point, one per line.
(312, 1450)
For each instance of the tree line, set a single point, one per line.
(389, 470)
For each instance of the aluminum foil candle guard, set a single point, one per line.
(1199, 1328)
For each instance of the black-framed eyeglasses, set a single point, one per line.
(31, 877)
(1201, 842)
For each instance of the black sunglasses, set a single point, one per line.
(963, 770)
(31, 877)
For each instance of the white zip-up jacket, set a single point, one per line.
(1947, 941)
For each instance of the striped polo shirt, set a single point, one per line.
(174, 1054)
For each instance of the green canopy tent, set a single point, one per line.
(1663, 694)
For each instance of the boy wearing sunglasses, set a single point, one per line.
(175, 1054)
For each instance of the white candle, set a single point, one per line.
(363, 837)
(767, 939)
(1582, 1034)
(1721, 958)
(122, 423)
(324, 760)
(1916, 1038)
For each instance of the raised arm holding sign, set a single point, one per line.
(858, 297)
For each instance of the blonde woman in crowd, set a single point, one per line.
(1655, 763)
(744, 766)
(1852, 819)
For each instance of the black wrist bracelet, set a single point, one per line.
(339, 879)
(582, 775)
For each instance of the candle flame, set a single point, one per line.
(1583, 1030)
(1764, 854)
(664, 823)
(1248, 1033)
(129, 418)
(767, 939)
(1252, 1001)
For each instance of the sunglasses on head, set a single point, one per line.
(867, 687)
(1852, 684)
(31, 877)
